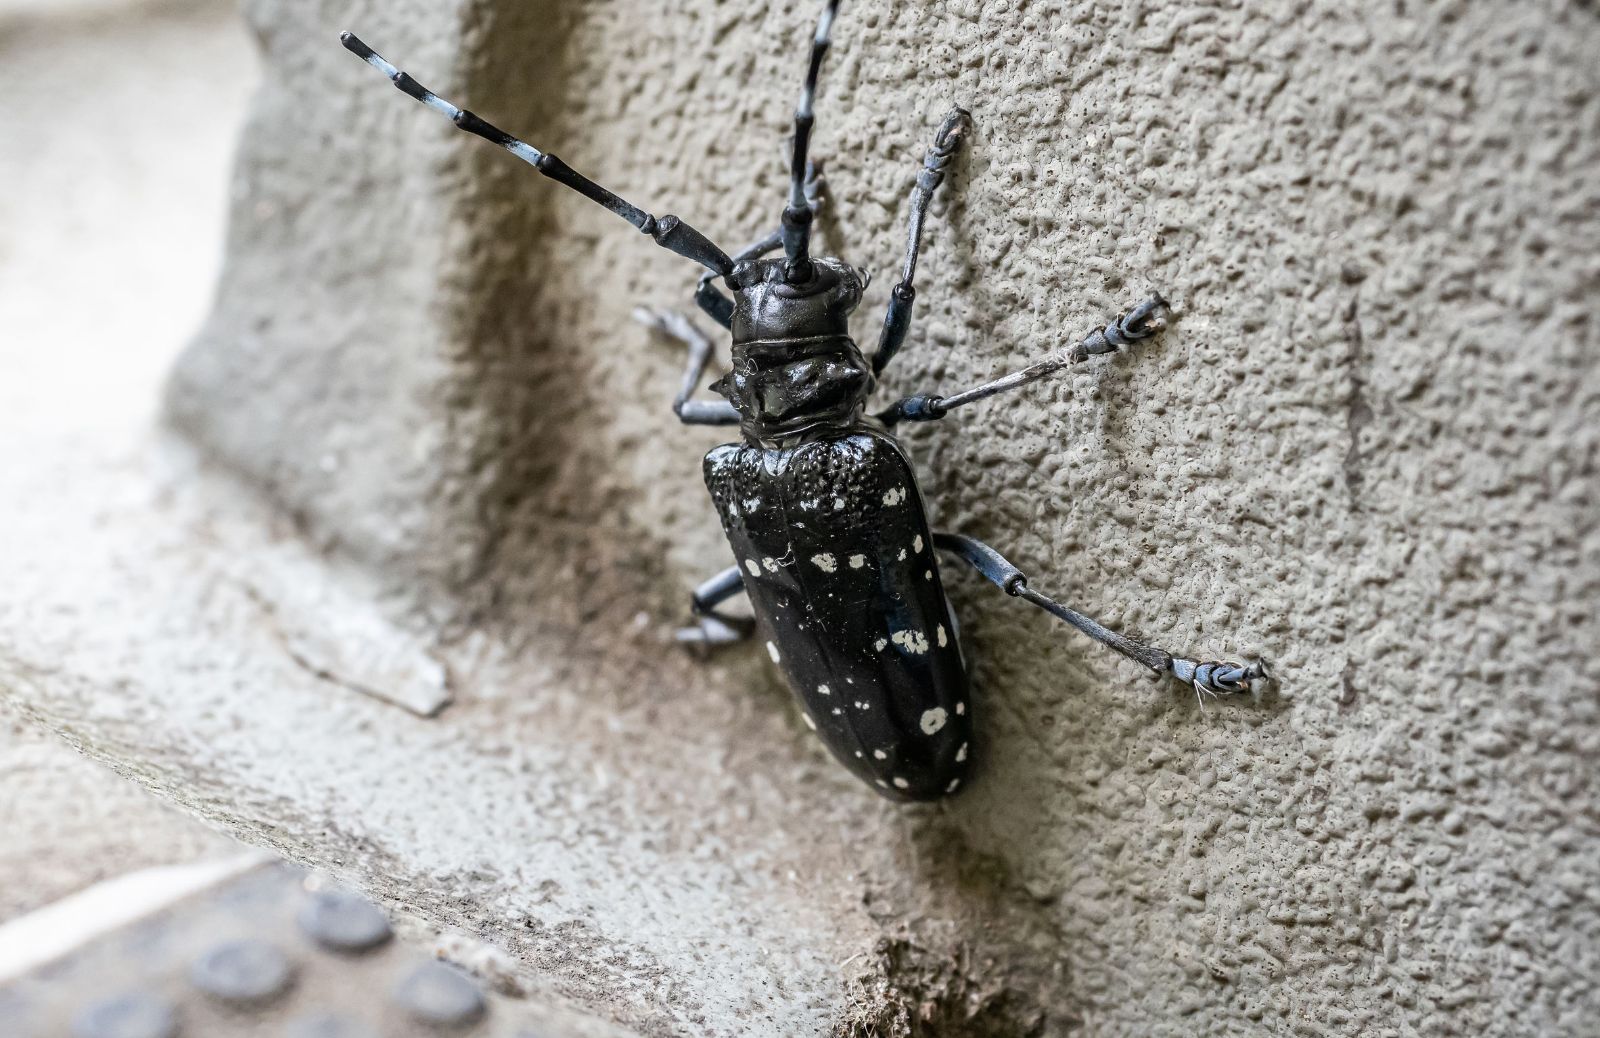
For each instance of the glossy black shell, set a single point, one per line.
(833, 543)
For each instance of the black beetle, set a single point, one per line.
(819, 501)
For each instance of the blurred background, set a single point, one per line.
(111, 233)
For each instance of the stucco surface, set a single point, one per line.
(1365, 448)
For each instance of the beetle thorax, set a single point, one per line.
(796, 371)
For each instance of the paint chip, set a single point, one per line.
(895, 496)
(823, 690)
(825, 562)
(770, 564)
(857, 561)
(880, 643)
(772, 650)
(809, 722)
(933, 720)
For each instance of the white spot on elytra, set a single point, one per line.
(823, 690)
(895, 496)
(857, 561)
(928, 575)
(961, 754)
(838, 711)
(902, 555)
(944, 639)
(825, 562)
(916, 543)
(961, 708)
(933, 720)
(882, 783)
(911, 641)
(901, 783)
(879, 754)
(753, 567)
(772, 650)
(770, 564)
(858, 753)
(838, 504)
(862, 704)
(954, 785)
(880, 643)
(809, 722)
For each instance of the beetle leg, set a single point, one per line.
(714, 628)
(1213, 678)
(952, 132)
(1137, 324)
(689, 412)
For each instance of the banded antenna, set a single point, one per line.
(668, 231)
(797, 214)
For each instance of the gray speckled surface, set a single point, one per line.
(1367, 448)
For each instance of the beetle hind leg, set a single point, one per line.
(1208, 678)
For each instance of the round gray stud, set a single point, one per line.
(343, 922)
(327, 1025)
(127, 1016)
(242, 972)
(441, 995)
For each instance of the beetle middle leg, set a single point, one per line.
(689, 412)
(1206, 678)
(1137, 324)
(714, 628)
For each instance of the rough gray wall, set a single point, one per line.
(1367, 448)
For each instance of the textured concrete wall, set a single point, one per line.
(1366, 448)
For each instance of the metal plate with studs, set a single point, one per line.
(273, 953)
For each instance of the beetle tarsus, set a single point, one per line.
(1218, 678)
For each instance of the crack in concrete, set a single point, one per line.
(1358, 412)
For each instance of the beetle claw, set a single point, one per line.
(1217, 678)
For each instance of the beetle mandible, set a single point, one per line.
(818, 500)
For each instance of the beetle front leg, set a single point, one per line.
(952, 132)
(1137, 324)
(1213, 678)
(689, 412)
(713, 628)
